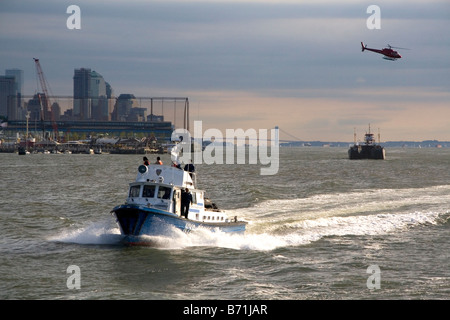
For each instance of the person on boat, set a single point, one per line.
(146, 161)
(158, 161)
(166, 194)
(190, 168)
(175, 164)
(186, 200)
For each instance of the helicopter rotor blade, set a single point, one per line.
(397, 47)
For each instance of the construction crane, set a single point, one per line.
(45, 101)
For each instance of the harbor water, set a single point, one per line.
(324, 227)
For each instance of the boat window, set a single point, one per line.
(134, 191)
(148, 192)
(164, 192)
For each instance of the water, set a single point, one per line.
(315, 229)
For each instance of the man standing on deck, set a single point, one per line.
(186, 200)
(190, 168)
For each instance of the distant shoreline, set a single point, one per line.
(389, 144)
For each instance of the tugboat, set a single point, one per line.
(369, 150)
(154, 206)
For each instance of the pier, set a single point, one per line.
(154, 136)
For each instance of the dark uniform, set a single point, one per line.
(186, 200)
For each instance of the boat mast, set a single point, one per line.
(26, 137)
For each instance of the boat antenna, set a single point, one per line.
(354, 135)
(379, 139)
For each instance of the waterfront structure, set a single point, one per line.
(152, 117)
(162, 130)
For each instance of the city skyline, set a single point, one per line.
(251, 65)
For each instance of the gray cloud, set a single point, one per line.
(272, 49)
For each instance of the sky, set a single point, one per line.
(251, 64)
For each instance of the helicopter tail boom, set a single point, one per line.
(362, 47)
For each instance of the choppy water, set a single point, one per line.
(315, 229)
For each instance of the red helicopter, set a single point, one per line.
(387, 53)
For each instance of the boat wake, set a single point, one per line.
(295, 222)
(293, 234)
(97, 233)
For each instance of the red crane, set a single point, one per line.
(45, 101)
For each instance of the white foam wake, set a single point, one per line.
(293, 222)
(296, 233)
(96, 233)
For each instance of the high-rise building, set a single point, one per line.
(99, 103)
(34, 106)
(17, 112)
(90, 93)
(56, 111)
(18, 74)
(123, 108)
(98, 85)
(111, 100)
(109, 91)
(8, 97)
(81, 94)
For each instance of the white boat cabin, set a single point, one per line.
(160, 187)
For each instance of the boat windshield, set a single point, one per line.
(134, 191)
(149, 191)
(164, 192)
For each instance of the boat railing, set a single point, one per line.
(194, 178)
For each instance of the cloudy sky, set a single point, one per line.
(251, 64)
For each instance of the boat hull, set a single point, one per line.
(366, 152)
(138, 221)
